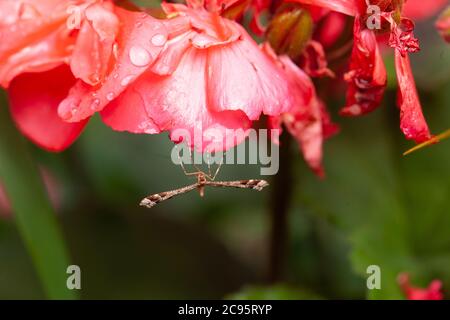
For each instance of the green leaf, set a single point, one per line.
(394, 210)
(33, 213)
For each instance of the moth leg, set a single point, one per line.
(199, 171)
(209, 164)
(217, 171)
(195, 173)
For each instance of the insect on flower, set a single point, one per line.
(203, 180)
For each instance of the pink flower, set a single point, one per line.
(54, 47)
(418, 9)
(32, 42)
(207, 85)
(433, 292)
(108, 60)
(307, 121)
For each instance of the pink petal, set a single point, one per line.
(178, 103)
(11, 11)
(348, 7)
(413, 123)
(419, 9)
(241, 77)
(127, 113)
(93, 50)
(139, 42)
(171, 55)
(33, 45)
(34, 98)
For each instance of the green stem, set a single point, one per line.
(34, 216)
(282, 187)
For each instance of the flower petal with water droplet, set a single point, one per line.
(129, 38)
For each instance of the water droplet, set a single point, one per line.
(74, 111)
(139, 56)
(115, 76)
(126, 81)
(163, 69)
(139, 24)
(95, 78)
(110, 96)
(95, 104)
(147, 127)
(159, 39)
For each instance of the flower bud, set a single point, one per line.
(290, 30)
(236, 10)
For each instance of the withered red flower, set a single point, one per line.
(307, 121)
(367, 78)
(367, 75)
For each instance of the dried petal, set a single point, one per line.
(367, 77)
(412, 120)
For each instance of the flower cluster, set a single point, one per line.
(196, 69)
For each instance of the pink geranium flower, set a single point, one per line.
(32, 40)
(209, 82)
(54, 47)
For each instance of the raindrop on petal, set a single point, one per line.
(110, 96)
(95, 104)
(139, 56)
(126, 81)
(159, 40)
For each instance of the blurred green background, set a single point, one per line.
(374, 207)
